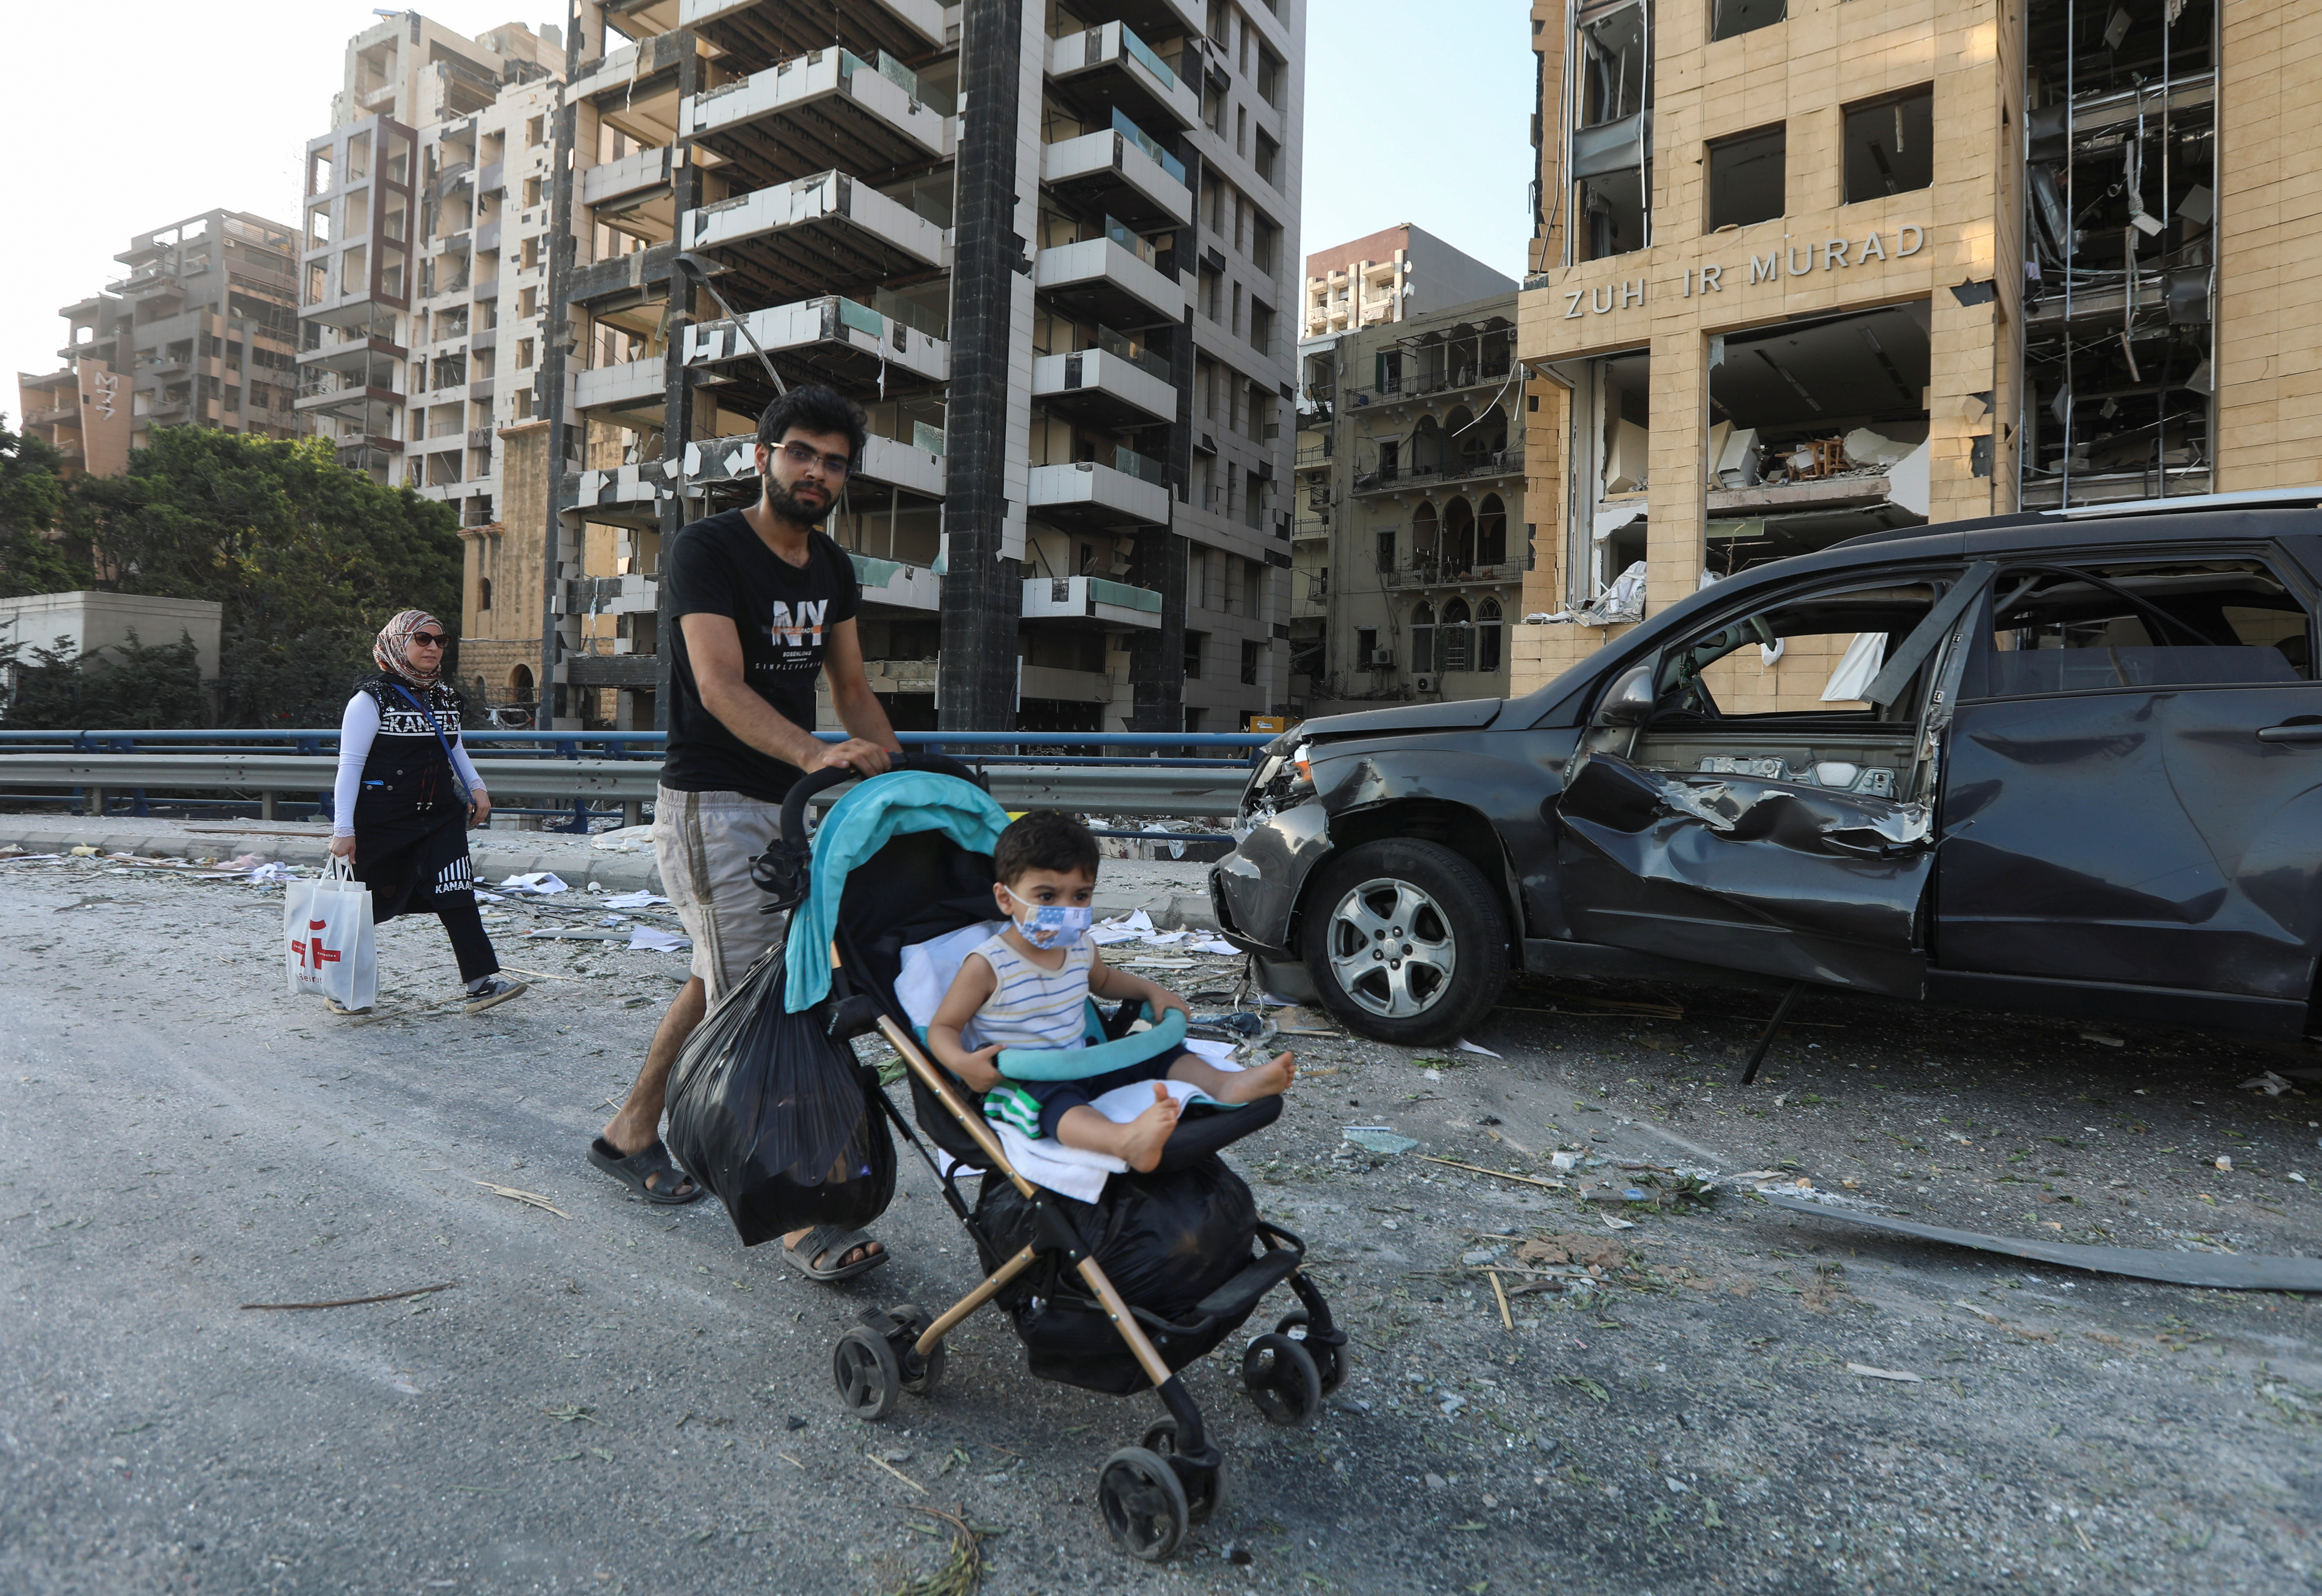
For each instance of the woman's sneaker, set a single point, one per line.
(491, 989)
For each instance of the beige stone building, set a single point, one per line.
(1409, 538)
(1390, 276)
(1810, 270)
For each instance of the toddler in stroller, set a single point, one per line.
(1023, 990)
(1113, 1276)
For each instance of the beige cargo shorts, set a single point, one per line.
(704, 843)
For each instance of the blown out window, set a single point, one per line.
(2211, 622)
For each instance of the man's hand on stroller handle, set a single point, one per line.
(858, 754)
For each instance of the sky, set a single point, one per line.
(195, 106)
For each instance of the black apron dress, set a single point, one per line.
(411, 823)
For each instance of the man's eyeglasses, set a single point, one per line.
(800, 456)
(427, 640)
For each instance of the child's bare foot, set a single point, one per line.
(1268, 1080)
(1143, 1137)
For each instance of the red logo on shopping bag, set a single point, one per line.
(312, 953)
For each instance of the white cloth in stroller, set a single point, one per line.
(929, 969)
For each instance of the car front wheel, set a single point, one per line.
(1405, 942)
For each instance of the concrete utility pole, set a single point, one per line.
(983, 596)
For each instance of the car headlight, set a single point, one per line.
(1284, 778)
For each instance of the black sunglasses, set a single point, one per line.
(427, 640)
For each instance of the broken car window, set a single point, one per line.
(2211, 622)
(1813, 654)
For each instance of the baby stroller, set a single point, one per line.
(898, 865)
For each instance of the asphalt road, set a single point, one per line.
(618, 1398)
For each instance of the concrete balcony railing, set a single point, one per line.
(1090, 496)
(1112, 61)
(1106, 391)
(831, 230)
(897, 585)
(1112, 604)
(634, 173)
(634, 383)
(1111, 172)
(817, 112)
(747, 29)
(609, 595)
(828, 340)
(1111, 286)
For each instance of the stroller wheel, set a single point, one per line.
(1329, 1361)
(1282, 1379)
(867, 1375)
(1144, 1504)
(922, 1372)
(1205, 1491)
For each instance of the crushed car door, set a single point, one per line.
(1768, 807)
(2135, 788)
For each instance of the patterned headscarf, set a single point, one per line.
(392, 651)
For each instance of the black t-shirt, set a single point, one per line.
(718, 566)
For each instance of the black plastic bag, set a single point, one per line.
(776, 1118)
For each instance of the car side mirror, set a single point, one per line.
(1628, 701)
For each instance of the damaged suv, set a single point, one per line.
(2069, 761)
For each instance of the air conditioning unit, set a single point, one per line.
(1382, 659)
(1422, 684)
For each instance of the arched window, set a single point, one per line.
(1487, 636)
(483, 593)
(1426, 548)
(1492, 532)
(1422, 638)
(1426, 448)
(1456, 639)
(1459, 538)
(520, 685)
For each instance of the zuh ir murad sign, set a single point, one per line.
(1788, 260)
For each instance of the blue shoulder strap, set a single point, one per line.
(441, 740)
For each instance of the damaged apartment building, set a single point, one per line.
(423, 270)
(1410, 535)
(1049, 247)
(199, 330)
(1805, 269)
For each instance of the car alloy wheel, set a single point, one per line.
(1391, 946)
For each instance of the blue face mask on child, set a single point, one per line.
(1053, 925)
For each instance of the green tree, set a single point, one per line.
(32, 499)
(143, 689)
(308, 559)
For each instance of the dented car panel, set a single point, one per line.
(1256, 885)
(1772, 877)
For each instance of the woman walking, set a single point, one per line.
(405, 795)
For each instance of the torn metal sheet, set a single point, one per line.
(2222, 1271)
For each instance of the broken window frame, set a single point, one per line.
(1591, 567)
(2102, 87)
(1725, 144)
(1719, 8)
(1594, 151)
(1895, 104)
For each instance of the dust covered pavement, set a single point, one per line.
(611, 1397)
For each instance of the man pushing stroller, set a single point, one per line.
(1028, 987)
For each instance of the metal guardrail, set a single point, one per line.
(207, 762)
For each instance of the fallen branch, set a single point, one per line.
(350, 1301)
(899, 1474)
(1501, 1292)
(534, 1199)
(1479, 1170)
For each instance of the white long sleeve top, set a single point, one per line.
(356, 728)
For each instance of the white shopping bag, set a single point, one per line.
(326, 934)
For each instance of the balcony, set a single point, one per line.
(1310, 600)
(756, 33)
(1122, 174)
(1108, 605)
(823, 232)
(1506, 462)
(897, 586)
(1101, 280)
(327, 391)
(623, 496)
(634, 173)
(1089, 496)
(828, 340)
(631, 385)
(815, 114)
(1310, 531)
(1103, 389)
(1111, 64)
(1435, 573)
(609, 595)
(901, 465)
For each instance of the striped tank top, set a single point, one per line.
(1031, 1007)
